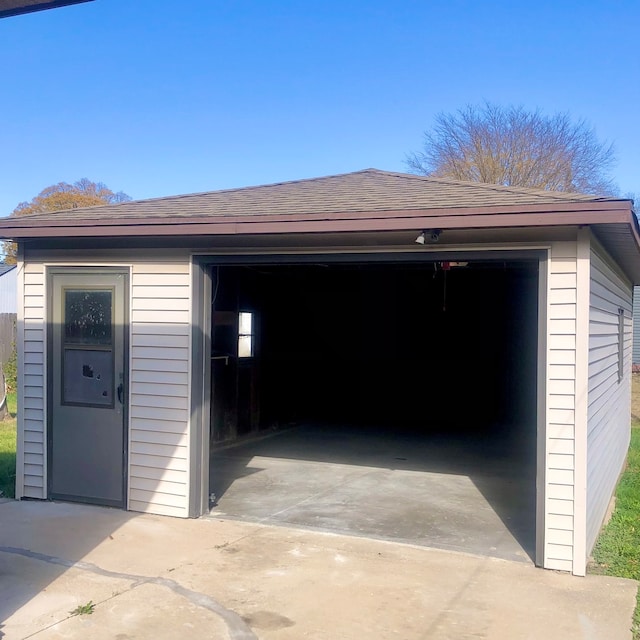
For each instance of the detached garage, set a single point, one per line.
(471, 325)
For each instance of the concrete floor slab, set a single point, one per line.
(468, 493)
(159, 578)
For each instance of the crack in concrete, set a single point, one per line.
(236, 626)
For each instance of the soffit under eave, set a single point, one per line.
(622, 245)
(619, 240)
(456, 241)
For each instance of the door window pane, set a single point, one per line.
(88, 377)
(88, 316)
(87, 364)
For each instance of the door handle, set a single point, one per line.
(120, 393)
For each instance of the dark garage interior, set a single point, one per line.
(420, 369)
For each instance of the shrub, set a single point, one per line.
(11, 370)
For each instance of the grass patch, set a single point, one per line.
(8, 450)
(617, 551)
(84, 609)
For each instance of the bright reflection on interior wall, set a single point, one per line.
(245, 334)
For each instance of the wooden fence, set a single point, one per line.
(7, 335)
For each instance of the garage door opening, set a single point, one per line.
(399, 400)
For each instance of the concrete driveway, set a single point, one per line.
(154, 577)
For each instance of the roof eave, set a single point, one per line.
(600, 215)
(607, 212)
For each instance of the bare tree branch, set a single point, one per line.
(514, 147)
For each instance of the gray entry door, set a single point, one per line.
(87, 382)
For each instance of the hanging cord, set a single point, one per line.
(444, 291)
(444, 267)
(215, 292)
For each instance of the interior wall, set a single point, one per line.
(409, 345)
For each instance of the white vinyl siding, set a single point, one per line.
(609, 398)
(560, 421)
(31, 401)
(159, 391)
(636, 325)
(159, 364)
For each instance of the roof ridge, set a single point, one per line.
(547, 193)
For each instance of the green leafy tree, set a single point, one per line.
(514, 147)
(62, 196)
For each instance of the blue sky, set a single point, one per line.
(157, 98)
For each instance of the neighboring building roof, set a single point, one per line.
(8, 288)
(18, 7)
(369, 200)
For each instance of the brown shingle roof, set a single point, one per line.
(370, 190)
(368, 201)
(18, 7)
